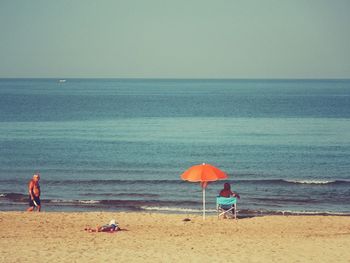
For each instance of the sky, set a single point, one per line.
(175, 39)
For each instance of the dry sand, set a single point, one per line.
(152, 237)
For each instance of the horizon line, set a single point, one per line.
(170, 78)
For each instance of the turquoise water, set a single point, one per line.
(119, 144)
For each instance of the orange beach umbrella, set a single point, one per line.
(203, 173)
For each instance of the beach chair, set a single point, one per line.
(225, 206)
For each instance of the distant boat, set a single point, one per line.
(62, 81)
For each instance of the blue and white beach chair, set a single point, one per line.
(225, 206)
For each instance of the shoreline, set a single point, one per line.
(119, 206)
(159, 237)
(260, 196)
(242, 213)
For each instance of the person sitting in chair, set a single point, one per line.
(226, 192)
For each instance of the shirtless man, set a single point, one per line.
(34, 193)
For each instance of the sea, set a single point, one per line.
(122, 144)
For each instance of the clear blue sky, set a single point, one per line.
(176, 39)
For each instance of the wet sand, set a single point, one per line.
(153, 237)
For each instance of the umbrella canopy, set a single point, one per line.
(203, 173)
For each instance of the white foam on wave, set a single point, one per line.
(2, 195)
(312, 212)
(75, 201)
(89, 201)
(174, 209)
(309, 181)
(61, 201)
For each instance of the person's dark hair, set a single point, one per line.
(227, 186)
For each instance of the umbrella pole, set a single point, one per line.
(203, 203)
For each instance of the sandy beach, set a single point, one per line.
(153, 237)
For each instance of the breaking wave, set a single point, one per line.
(315, 181)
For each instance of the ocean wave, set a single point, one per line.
(89, 201)
(175, 209)
(279, 200)
(330, 213)
(262, 212)
(61, 201)
(16, 197)
(312, 181)
(115, 181)
(55, 182)
(293, 181)
(71, 201)
(244, 212)
(120, 194)
(130, 204)
(174, 206)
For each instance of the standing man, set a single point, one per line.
(34, 193)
